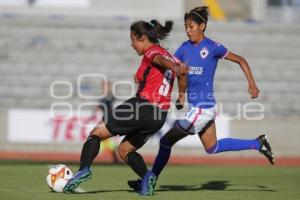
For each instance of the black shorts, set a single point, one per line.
(137, 119)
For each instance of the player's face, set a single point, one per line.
(137, 44)
(194, 31)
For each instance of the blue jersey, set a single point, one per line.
(202, 60)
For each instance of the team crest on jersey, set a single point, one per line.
(204, 52)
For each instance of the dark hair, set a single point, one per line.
(198, 15)
(153, 30)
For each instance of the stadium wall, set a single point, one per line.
(104, 8)
(284, 142)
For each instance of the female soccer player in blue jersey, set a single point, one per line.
(202, 55)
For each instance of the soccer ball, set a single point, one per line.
(58, 176)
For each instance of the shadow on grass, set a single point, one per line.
(211, 185)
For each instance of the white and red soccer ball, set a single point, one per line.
(58, 176)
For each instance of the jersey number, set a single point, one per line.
(165, 86)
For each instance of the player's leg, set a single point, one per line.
(165, 146)
(166, 142)
(127, 151)
(128, 154)
(134, 160)
(213, 146)
(92, 145)
(155, 122)
(182, 128)
(147, 182)
(89, 152)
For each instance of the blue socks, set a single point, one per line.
(230, 144)
(222, 145)
(162, 157)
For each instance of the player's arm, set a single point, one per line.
(182, 84)
(253, 90)
(179, 69)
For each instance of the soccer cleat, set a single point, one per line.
(266, 149)
(135, 184)
(148, 184)
(81, 176)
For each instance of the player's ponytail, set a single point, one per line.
(153, 30)
(162, 31)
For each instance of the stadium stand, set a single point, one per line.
(35, 51)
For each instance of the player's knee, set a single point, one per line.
(101, 132)
(123, 152)
(211, 149)
(96, 132)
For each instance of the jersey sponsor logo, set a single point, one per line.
(204, 52)
(196, 70)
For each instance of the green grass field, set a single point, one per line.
(27, 181)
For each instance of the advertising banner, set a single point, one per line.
(43, 126)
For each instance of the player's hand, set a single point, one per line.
(182, 69)
(180, 102)
(135, 79)
(253, 91)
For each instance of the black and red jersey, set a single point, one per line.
(155, 82)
